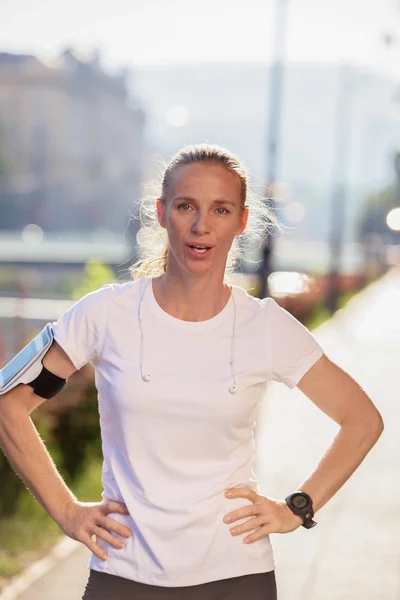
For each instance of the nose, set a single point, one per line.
(201, 224)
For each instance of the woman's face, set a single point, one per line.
(203, 209)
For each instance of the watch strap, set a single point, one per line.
(308, 521)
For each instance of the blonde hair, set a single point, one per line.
(152, 238)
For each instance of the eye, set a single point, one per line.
(180, 206)
(224, 209)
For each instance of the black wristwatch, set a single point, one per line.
(301, 504)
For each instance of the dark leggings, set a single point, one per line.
(256, 586)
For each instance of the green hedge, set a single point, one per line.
(68, 423)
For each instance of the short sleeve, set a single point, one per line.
(80, 329)
(293, 348)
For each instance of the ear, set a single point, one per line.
(243, 219)
(160, 213)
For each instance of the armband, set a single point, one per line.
(26, 367)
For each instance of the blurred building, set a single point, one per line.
(72, 139)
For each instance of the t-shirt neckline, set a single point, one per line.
(160, 313)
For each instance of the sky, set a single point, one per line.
(149, 32)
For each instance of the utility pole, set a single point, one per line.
(273, 124)
(339, 184)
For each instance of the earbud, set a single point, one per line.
(146, 377)
(233, 389)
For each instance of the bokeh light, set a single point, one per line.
(32, 234)
(393, 219)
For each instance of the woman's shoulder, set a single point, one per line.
(121, 292)
(112, 293)
(253, 302)
(248, 303)
(246, 298)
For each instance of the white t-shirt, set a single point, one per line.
(172, 446)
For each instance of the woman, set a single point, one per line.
(181, 363)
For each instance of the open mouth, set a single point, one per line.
(199, 250)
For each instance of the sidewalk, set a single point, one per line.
(354, 552)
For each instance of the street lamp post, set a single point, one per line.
(339, 184)
(274, 122)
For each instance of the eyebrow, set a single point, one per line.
(187, 198)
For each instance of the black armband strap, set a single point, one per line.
(46, 385)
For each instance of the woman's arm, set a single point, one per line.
(21, 442)
(30, 458)
(340, 397)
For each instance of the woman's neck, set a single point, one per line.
(194, 299)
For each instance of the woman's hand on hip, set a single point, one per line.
(82, 520)
(267, 514)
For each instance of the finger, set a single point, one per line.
(248, 526)
(93, 547)
(116, 507)
(263, 531)
(107, 537)
(111, 524)
(246, 511)
(242, 492)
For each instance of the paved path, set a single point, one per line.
(66, 581)
(354, 552)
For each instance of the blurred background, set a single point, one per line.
(94, 95)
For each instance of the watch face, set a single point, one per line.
(299, 502)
